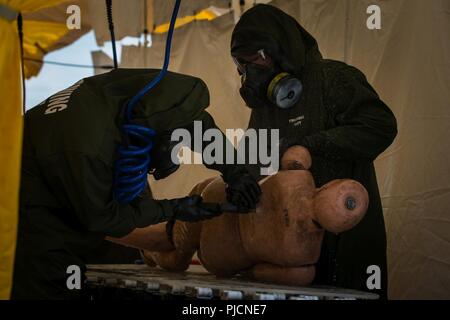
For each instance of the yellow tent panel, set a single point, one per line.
(11, 124)
(39, 36)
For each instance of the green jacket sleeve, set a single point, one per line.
(362, 125)
(88, 183)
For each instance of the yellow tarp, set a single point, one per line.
(39, 36)
(11, 134)
(202, 15)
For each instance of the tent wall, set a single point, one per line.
(10, 148)
(11, 124)
(128, 17)
(99, 58)
(163, 8)
(407, 61)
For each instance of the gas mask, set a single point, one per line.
(268, 85)
(161, 165)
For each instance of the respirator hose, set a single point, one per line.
(134, 159)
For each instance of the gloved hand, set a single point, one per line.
(242, 190)
(192, 209)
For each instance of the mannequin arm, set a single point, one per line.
(152, 238)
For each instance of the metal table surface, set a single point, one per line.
(197, 283)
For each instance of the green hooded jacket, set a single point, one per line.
(341, 120)
(69, 151)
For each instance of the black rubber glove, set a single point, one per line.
(192, 209)
(242, 190)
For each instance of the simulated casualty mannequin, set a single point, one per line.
(68, 203)
(279, 242)
(329, 108)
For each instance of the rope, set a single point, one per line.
(65, 64)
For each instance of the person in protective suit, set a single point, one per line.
(67, 199)
(328, 107)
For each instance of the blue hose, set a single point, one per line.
(134, 158)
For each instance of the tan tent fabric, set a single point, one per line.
(163, 8)
(407, 61)
(99, 58)
(128, 17)
(325, 20)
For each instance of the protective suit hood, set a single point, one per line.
(280, 35)
(175, 102)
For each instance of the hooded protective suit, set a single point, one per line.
(344, 124)
(69, 152)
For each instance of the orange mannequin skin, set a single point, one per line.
(280, 241)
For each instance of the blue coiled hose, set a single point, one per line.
(134, 155)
